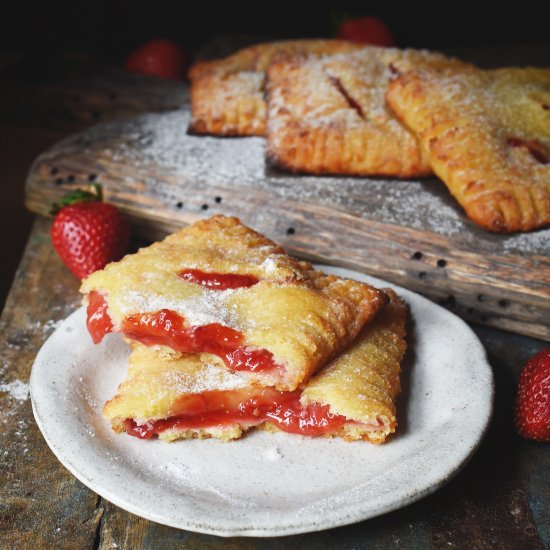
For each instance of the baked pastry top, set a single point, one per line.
(487, 135)
(363, 381)
(227, 95)
(328, 115)
(194, 389)
(278, 323)
(194, 395)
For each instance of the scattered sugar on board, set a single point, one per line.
(158, 143)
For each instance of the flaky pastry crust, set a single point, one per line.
(363, 381)
(227, 95)
(487, 136)
(328, 115)
(300, 315)
(158, 386)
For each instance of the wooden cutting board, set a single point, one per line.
(409, 232)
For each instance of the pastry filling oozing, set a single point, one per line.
(167, 328)
(246, 406)
(218, 281)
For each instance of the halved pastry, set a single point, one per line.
(487, 136)
(328, 115)
(182, 397)
(227, 95)
(354, 395)
(196, 396)
(219, 287)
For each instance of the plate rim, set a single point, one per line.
(338, 518)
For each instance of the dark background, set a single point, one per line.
(112, 29)
(104, 33)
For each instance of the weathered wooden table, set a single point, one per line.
(501, 499)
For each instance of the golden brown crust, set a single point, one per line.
(487, 134)
(300, 315)
(227, 95)
(328, 115)
(159, 386)
(363, 381)
(156, 381)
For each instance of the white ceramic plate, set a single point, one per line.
(268, 484)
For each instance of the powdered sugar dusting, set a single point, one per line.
(158, 143)
(210, 306)
(272, 454)
(269, 265)
(17, 390)
(209, 377)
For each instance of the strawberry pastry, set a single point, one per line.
(196, 396)
(228, 332)
(218, 287)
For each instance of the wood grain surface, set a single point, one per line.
(494, 502)
(409, 232)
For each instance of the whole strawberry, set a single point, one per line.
(365, 30)
(88, 233)
(532, 416)
(160, 58)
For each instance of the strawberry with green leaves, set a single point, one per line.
(88, 233)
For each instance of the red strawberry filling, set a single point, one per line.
(167, 328)
(218, 281)
(98, 321)
(248, 406)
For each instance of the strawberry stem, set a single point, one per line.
(93, 194)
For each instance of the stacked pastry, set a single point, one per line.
(399, 113)
(229, 332)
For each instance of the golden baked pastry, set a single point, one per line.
(328, 115)
(194, 395)
(220, 287)
(487, 135)
(362, 383)
(358, 388)
(227, 95)
(191, 396)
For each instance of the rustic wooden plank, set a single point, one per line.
(41, 504)
(408, 232)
